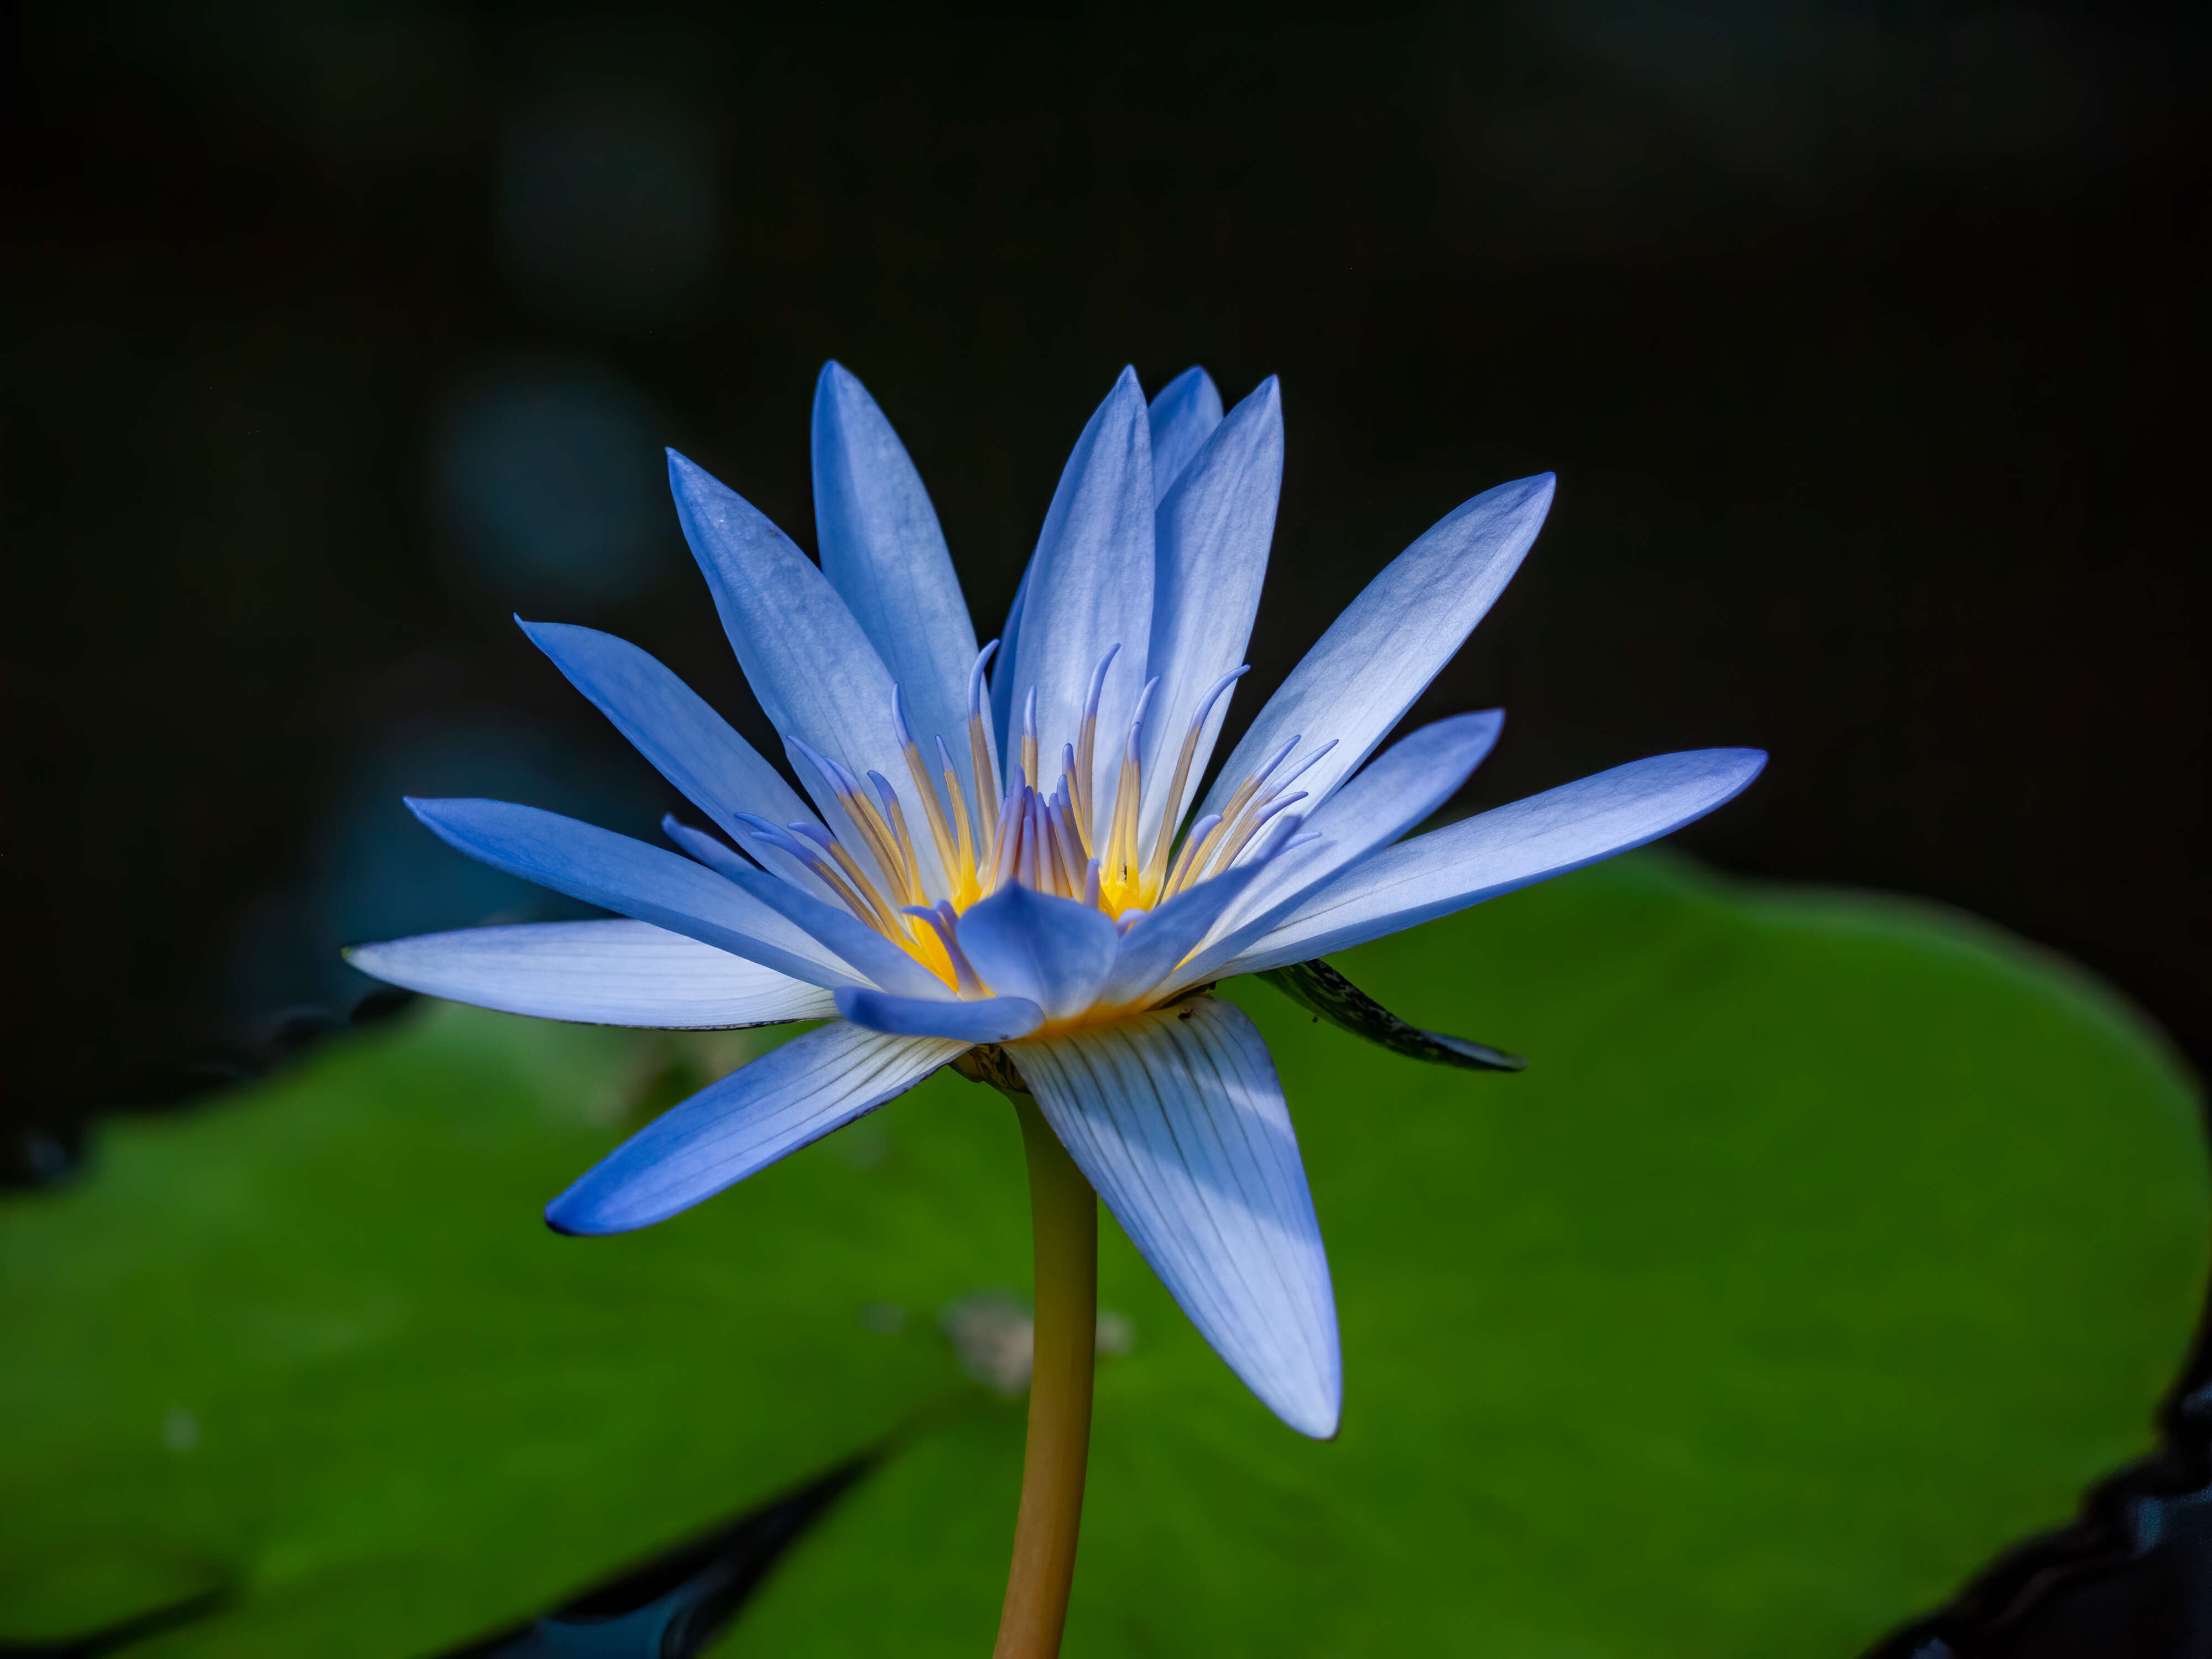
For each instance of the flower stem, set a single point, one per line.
(1064, 1224)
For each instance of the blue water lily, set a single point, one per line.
(1016, 846)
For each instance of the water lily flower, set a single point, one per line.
(1011, 857)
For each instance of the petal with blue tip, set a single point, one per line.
(598, 973)
(1182, 417)
(882, 551)
(812, 666)
(673, 728)
(618, 873)
(1389, 797)
(1508, 847)
(1212, 532)
(1364, 672)
(761, 1112)
(1177, 1119)
(1090, 589)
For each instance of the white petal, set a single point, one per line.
(1177, 1119)
(1495, 852)
(1364, 672)
(601, 972)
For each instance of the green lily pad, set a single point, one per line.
(1826, 1246)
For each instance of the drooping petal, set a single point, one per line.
(984, 1020)
(1364, 672)
(1054, 951)
(1089, 588)
(671, 725)
(599, 973)
(1212, 530)
(882, 551)
(618, 873)
(812, 665)
(1183, 416)
(1508, 847)
(1178, 1120)
(761, 1111)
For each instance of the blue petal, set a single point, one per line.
(1212, 532)
(809, 662)
(1508, 847)
(1002, 670)
(1091, 589)
(601, 868)
(602, 972)
(1054, 951)
(1364, 672)
(693, 747)
(985, 1020)
(1177, 1119)
(1157, 944)
(1183, 416)
(838, 930)
(1390, 796)
(787, 1097)
(882, 551)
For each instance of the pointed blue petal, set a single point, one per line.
(883, 553)
(837, 929)
(601, 868)
(1364, 672)
(1091, 589)
(1389, 797)
(1182, 417)
(1212, 532)
(808, 661)
(772, 1106)
(1177, 1119)
(984, 1020)
(1054, 951)
(601, 972)
(1508, 847)
(691, 745)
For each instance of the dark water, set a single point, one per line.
(1868, 343)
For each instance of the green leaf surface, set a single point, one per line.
(1827, 1246)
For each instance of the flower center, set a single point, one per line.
(1043, 842)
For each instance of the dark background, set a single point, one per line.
(1868, 343)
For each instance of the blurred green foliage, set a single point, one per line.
(1828, 1245)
